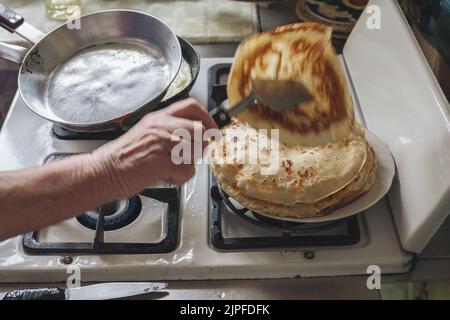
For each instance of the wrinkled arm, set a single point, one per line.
(33, 198)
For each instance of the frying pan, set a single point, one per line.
(193, 60)
(119, 29)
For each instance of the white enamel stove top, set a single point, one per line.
(27, 140)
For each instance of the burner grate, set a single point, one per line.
(217, 90)
(277, 225)
(170, 195)
(286, 234)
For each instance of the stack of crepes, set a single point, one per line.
(324, 159)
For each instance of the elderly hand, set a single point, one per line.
(39, 196)
(142, 156)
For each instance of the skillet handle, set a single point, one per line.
(12, 52)
(9, 19)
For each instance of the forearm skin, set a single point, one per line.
(33, 198)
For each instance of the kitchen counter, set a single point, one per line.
(280, 289)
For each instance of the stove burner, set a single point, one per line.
(118, 214)
(274, 223)
(113, 216)
(287, 233)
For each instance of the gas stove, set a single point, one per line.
(196, 232)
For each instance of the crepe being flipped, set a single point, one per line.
(302, 52)
(324, 160)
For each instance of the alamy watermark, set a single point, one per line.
(73, 11)
(239, 146)
(374, 280)
(373, 21)
(74, 278)
(73, 20)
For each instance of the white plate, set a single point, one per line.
(385, 174)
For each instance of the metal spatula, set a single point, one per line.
(275, 94)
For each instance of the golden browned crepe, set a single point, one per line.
(358, 186)
(300, 51)
(309, 182)
(302, 174)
